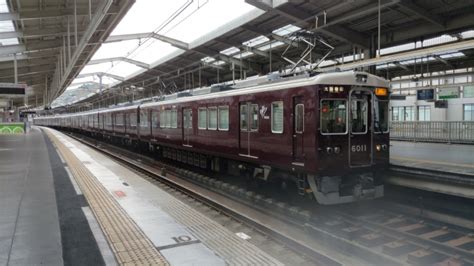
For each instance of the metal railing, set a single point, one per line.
(433, 131)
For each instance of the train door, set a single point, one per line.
(187, 128)
(360, 128)
(298, 131)
(248, 117)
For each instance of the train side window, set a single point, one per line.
(243, 117)
(187, 118)
(154, 119)
(212, 123)
(202, 118)
(133, 119)
(174, 118)
(168, 118)
(277, 117)
(333, 117)
(108, 120)
(144, 118)
(224, 118)
(162, 119)
(254, 117)
(119, 120)
(299, 118)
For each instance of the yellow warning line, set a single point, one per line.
(129, 244)
(431, 162)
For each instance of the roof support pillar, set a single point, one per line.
(90, 11)
(45, 93)
(75, 23)
(65, 57)
(15, 67)
(68, 39)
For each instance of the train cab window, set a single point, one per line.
(187, 118)
(223, 118)
(254, 117)
(243, 117)
(359, 116)
(174, 118)
(333, 117)
(155, 119)
(212, 120)
(381, 116)
(143, 118)
(132, 117)
(202, 118)
(277, 117)
(299, 118)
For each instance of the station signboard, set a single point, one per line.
(425, 94)
(468, 91)
(12, 89)
(448, 93)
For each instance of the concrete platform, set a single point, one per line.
(453, 158)
(41, 222)
(48, 218)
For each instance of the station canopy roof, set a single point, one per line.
(167, 46)
(45, 43)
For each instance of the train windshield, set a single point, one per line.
(359, 116)
(333, 116)
(381, 116)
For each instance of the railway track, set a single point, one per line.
(391, 237)
(367, 231)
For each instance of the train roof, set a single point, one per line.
(265, 85)
(255, 85)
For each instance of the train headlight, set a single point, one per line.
(329, 150)
(378, 147)
(384, 147)
(337, 150)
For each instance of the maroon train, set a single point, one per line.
(327, 132)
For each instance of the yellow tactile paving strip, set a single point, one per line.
(129, 244)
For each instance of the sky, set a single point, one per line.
(184, 20)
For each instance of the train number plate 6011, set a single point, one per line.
(359, 148)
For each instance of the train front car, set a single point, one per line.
(353, 137)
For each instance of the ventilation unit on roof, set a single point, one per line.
(183, 94)
(219, 88)
(169, 97)
(273, 76)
